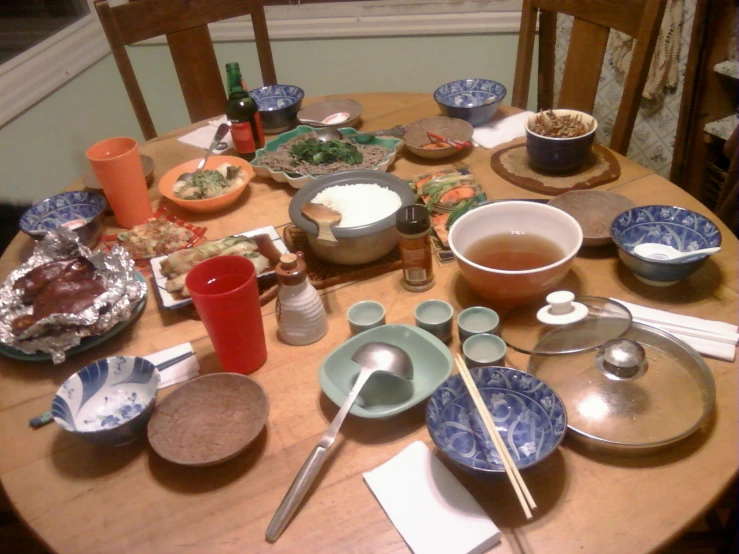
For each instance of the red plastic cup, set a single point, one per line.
(224, 291)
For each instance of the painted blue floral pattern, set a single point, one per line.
(677, 227)
(529, 415)
(469, 92)
(60, 209)
(276, 97)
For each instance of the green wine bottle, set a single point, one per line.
(242, 113)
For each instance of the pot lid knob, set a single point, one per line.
(562, 309)
(622, 359)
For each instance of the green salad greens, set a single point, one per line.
(315, 152)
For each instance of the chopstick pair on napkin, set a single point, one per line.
(178, 372)
(500, 131)
(203, 136)
(711, 338)
(429, 507)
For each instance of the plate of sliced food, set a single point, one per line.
(262, 246)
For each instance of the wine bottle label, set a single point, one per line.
(243, 138)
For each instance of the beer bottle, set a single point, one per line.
(243, 115)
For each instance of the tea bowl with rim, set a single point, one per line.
(515, 287)
(364, 315)
(278, 106)
(474, 100)
(476, 320)
(683, 229)
(560, 154)
(109, 401)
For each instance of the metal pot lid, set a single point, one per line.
(565, 325)
(667, 396)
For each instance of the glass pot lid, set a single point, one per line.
(639, 392)
(565, 325)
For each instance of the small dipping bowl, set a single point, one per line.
(364, 315)
(475, 321)
(109, 401)
(278, 106)
(484, 350)
(435, 316)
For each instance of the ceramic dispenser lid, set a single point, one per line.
(567, 324)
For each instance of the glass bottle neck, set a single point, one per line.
(235, 83)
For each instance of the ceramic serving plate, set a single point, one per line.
(298, 181)
(88, 342)
(172, 303)
(385, 395)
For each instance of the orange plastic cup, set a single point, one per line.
(117, 165)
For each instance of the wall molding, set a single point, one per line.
(33, 75)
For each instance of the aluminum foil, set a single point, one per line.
(56, 334)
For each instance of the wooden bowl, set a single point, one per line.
(449, 127)
(207, 205)
(319, 110)
(209, 420)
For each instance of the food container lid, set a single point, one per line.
(565, 324)
(412, 220)
(667, 396)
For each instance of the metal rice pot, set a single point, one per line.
(355, 245)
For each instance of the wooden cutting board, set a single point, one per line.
(512, 163)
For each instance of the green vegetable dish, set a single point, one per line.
(210, 183)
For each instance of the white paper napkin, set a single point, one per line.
(203, 136)
(429, 507)
(501, 131)
(717, 339)
(186, 369)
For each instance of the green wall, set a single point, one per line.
(43, 149)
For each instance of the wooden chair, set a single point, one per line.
(185, 24)
(594, 19)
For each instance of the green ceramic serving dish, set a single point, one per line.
(297, 181)
(386, 395)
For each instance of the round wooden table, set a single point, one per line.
(82, 498)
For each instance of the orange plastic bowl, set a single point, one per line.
(167, 181)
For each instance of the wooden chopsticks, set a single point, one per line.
(522, 491)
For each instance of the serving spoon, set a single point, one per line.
(217, 138)
(328, 134)
(372, 357)
(325, 218)
(657, 251)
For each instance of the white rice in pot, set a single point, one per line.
(359, 204)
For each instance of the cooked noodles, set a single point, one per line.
(283, 160)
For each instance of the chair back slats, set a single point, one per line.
(593, 20)
(185, 25)
(197, 69)
(622, 15)
(583, 65)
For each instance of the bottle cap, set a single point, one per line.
(291, 270)
(411, 220)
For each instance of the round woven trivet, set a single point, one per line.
(325, 274)
(512, 163)
(594, 210)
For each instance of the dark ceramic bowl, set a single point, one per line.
(560, 154)
(79, 210)
(474, 100)
(680, 228)
(278, 106)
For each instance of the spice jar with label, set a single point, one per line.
(414, 225)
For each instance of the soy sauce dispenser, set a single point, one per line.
(301, 316)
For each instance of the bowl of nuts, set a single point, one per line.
(559, 140)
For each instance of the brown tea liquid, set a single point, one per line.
(514, 252)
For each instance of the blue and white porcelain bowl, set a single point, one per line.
(680, 228)
(79, 210)
(466, 99)
(109, 401)
(278, 106)
(529, 415)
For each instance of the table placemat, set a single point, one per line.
(512, 163)
(325, 274)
